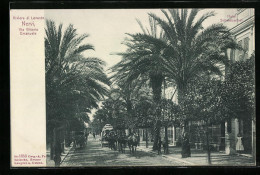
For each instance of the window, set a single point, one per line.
(246, 44)
(243, 54)
(246, 47)
(215, 134)
(240, 52)
(232, 54)
(240, 43)
(170, 135)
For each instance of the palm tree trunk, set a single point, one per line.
(208, 147)
(185, 141)
(157, 134)
(52, 146)
(156, 82)
(146, 137)
(54, 142)
(166, 139)
(129, 111)
(185, 146)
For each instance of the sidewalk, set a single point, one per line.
(50, 163)
(199, 157)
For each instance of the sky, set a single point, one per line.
(107, 28)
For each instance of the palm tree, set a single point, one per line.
(74, 83)
(181, 53)
(142, 61)
(192, 50)
(69, 71)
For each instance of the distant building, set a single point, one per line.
(244, 34)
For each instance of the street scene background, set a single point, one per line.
(150, 87)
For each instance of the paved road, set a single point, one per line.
(94, 155)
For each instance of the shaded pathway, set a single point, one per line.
(94, 155)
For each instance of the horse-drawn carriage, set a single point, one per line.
(118, 141)
(105, 135)
(79, 139)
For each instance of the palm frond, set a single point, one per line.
(83, 48)
(198, 25)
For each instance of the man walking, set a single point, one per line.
(57, 153)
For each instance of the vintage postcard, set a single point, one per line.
(132, 87)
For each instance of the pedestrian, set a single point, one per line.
(57, 153)
(165, 144)
(159, 145)
(94, 135)
(239, 145)
(186, 146)
(138, 139)
(86, 136)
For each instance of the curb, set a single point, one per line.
(239, 154)
(244, 155)
(177, 159)
(66, 155)
(168, 157)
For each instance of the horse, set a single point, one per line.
(132, 143)
(122, 140)
(112, 141)
(80, 142)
